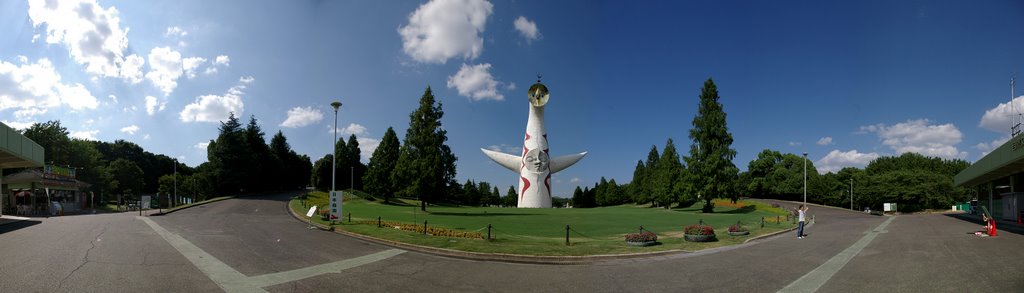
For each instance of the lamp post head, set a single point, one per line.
(336, 105)
(805, 154)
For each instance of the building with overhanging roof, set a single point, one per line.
(998, 179)
(17, 151)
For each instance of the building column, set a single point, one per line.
(991, 190)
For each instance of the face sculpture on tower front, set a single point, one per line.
(536, 161)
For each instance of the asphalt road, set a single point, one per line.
(252, 244)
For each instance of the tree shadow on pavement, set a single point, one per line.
(17, 225)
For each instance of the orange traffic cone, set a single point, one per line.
(992, 227)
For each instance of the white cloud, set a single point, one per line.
(132, 69)
(202, 145)
(92, 34)
(34, 87)
(153, 106)
(146, 136)
(794, 143)
(84, 134)
(511, 86)
(366, 147)
(919, 136)
(18, 125)
(825, 140)
(442, 29)
(130, 129)
(213, 108)
(527, 28)
(113, 98)
(176, 32)
(300, 117)
(575, 180)
(986, 148)
(164, 69)
(998, 119)
(28, 113)
(222, 60)
(352, 128)
(190, 64)
(476, 83)
(837, 160)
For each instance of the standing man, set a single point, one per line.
(800, 231)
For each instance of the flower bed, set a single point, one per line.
(699, 233)
(433, 231)
(644, 238)
(738, 230)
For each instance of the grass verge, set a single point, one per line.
(595, 231)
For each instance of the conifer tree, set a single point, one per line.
(712, 173)
(382, 163)
(426, 165)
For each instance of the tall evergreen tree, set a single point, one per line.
(227, 158)
(353, 167)
(260, 169)
(710, 160)
(666, 177)
(382, 163)
(426, 164)
(635, 189)
(511, 198)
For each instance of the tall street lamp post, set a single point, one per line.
(334, 155)
(851, 193)
(805, 178)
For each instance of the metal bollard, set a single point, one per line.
(424, 227)
(378, 221)
(349, 218)
(488, 232)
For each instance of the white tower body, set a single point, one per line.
(535, 165)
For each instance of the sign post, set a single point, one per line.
(309, 216)
(336, 205)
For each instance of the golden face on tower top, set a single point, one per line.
(538, 94)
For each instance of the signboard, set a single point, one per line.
(58, 173)
(146, 200)
(312, 210)
(336, 205)
(889, 207)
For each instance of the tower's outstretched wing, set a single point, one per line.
(560, 163)
(511, 162)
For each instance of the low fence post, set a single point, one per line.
(350, 218)
(424, 227)
(488, 232)
(778, 219)
(378, 221)
(567, 234)
(762, 221)
(641, 228)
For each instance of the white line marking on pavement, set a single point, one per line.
(230, 280)
(814, 279)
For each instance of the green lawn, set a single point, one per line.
(542, 231)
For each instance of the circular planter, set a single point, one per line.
(640, 243)
(699, 238)
(739, 233)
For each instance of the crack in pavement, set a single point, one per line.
(85, 258)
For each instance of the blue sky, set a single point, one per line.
(845, 82)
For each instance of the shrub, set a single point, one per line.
(699, 230)
(644, 236)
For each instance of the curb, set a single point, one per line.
(192, 205)
(516, 258)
